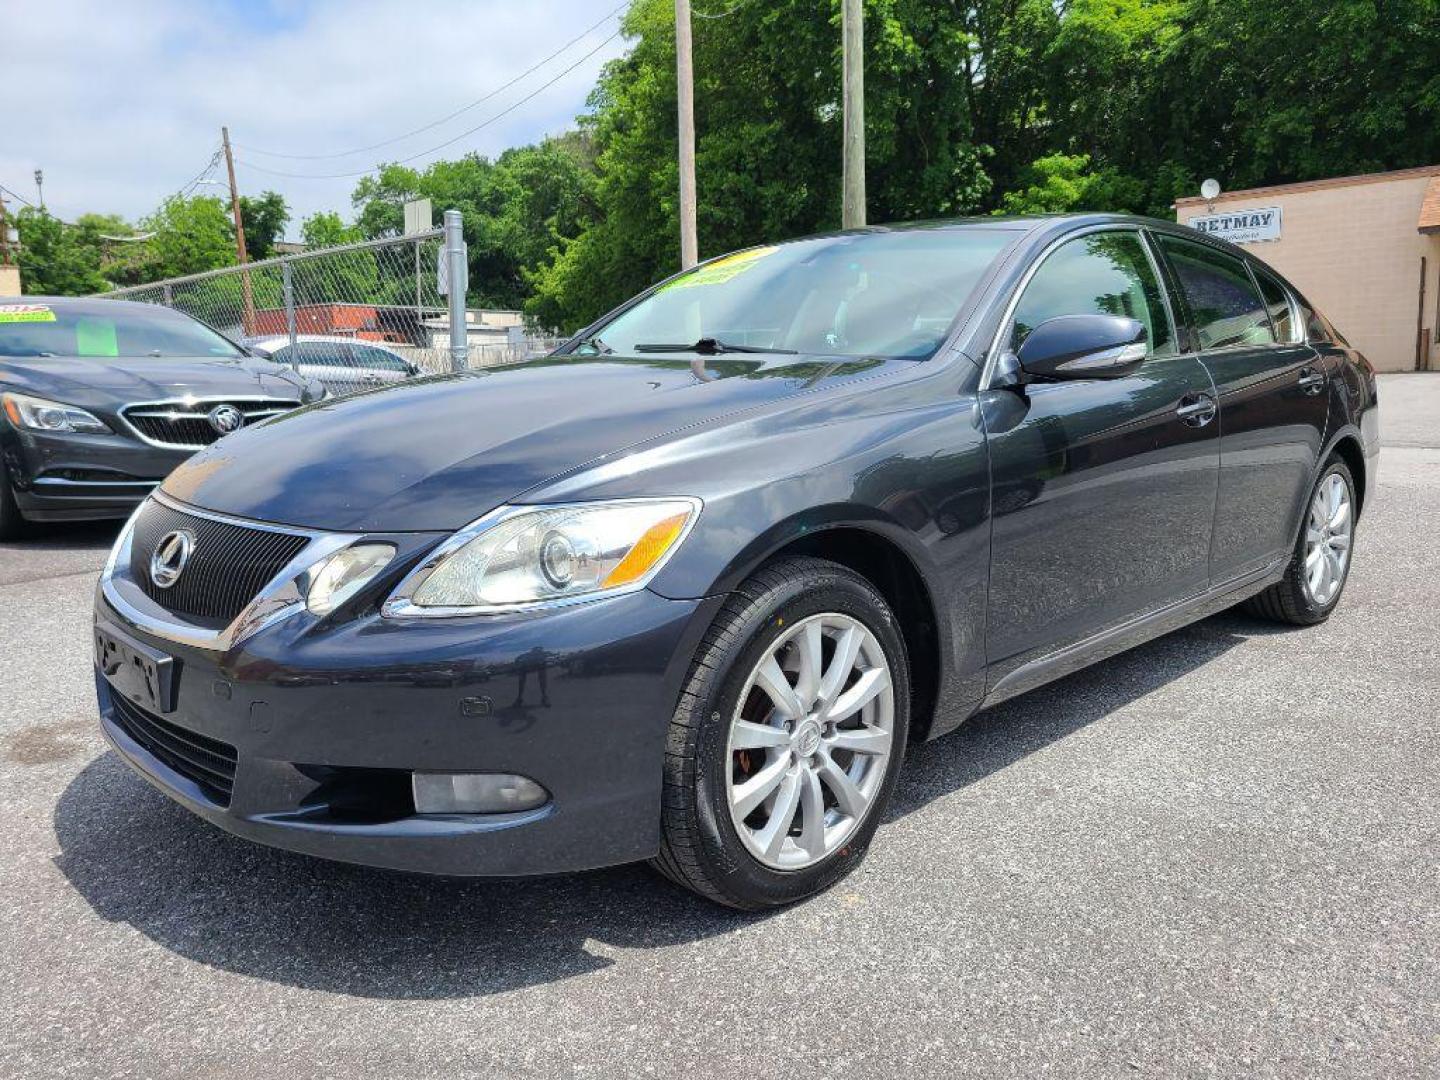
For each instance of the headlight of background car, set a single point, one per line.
(37, 414)
(546, 553)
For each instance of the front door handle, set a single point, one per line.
(1311, 379)
(1197, 410)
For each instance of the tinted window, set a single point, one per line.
(1223, 302)
(865, 295)
(99, 329)
(378, 359)
(316, 353)
(1105, 273)
(1277, 302)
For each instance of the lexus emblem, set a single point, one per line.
(226, 418)
(171, 555)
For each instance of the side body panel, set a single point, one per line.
(1103, 504)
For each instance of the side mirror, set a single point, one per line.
(259, 353)
(1083, 347)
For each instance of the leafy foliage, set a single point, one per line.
(264, 218)
(972, 107)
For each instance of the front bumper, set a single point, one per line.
(327, 723)
(77, 477)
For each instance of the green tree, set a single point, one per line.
(264, 218)
(1059, 183)
(55, 259)
(191, 235)
(326, 228)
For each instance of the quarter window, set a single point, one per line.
(1277, 302)
(1103, 273)
(1223, 302)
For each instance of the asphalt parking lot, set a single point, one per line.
(1216, 855)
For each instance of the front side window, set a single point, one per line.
(106, 329)
(378, 359)
(882, 294)
(1227, 310)
(1277, 302)
(1103, 273)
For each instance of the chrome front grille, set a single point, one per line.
(228, 566)
(188, 423)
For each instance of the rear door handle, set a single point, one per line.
(1197, 410)
(1311, 379)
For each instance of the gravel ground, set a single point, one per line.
(1218, 854)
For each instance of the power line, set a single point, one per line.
(17, 195)
(185, 189)
(444, 119)
(448, 142)
(722, 14)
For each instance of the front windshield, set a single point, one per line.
(886, 294)
(105, 329)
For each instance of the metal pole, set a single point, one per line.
(685, 84)
(457, 281)
(852, 209)
(287, 278)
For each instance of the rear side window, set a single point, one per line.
(1223, 302)
(1103, 273)
(1277, 302)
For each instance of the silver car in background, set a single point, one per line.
(342, 365)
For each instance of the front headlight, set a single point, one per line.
(37, 414)
(344, 574)
(523, 556)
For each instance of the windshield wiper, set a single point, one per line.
(593, 342)
(709, 346)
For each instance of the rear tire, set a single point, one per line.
(830, 636)
(1315, 579)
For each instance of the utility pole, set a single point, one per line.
(248, 317)
(852, 207)
(685, 81)
(40, 187)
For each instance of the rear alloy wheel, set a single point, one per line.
(787, 740)
(1320, 566)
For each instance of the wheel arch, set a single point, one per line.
(880, 558)
(1346, 446)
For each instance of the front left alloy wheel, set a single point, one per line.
(787, 740)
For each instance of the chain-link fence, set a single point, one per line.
(353, 317)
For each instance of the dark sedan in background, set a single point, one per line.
(685, 590)
(100, 399)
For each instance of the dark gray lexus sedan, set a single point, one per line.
(685, 590)
(99, 399)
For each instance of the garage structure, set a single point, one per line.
(1364, 249)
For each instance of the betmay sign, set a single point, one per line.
(1241, 226)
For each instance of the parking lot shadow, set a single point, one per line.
(137, 858)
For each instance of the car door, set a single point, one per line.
(1271, 392)
(1103, 490)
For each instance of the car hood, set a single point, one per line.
(436, 453)
(107, 384)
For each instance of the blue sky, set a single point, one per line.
(121, 103)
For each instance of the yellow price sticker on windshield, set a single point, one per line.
(722, 269)
(12, 313)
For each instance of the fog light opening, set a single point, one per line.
(475, 793)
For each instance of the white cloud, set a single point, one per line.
(121, 103)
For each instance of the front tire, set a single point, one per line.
(787, 740)
(12, 525)
(1320, 565)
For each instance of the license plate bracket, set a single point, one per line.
(137, 672)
